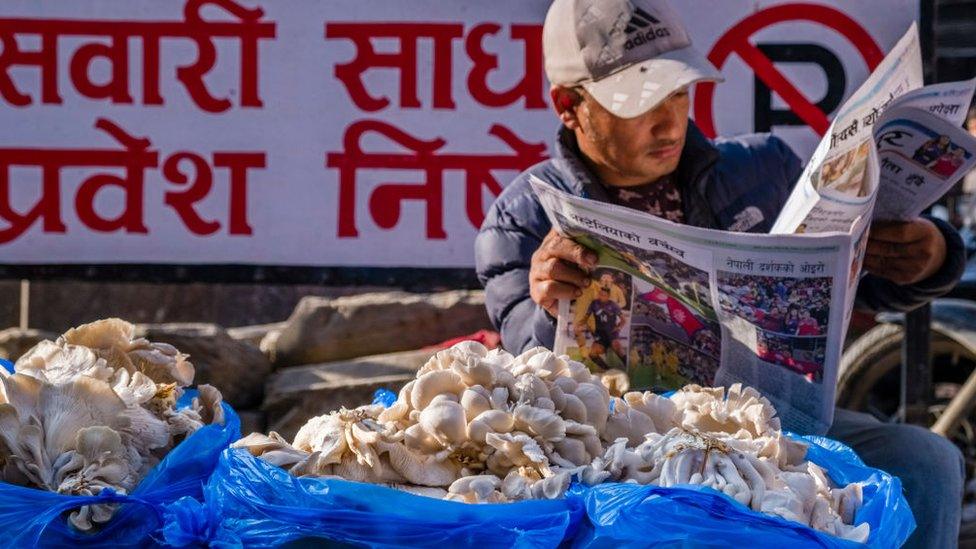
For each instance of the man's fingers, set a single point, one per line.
(882, 248)
(557, 269)
(898, 272)
(902, 250)
(906, 261)
(566, 249)
(888, 230)
(901, 231)
(551, 290)
(876, 264)
(547, 294)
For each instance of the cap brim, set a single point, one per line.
(642, 86)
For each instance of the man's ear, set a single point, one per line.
(565, 101)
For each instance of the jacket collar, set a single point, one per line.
(582, 181)
(697, 158)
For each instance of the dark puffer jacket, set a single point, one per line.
(730, 184)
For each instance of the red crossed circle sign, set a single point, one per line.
(736, 40)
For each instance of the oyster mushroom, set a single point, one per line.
(420, 469)
(93, 410)
(445, 422)
(97, 462)
(596, 400)
(432, 384)
(474, 371)
(475, 400)
(539, 422)
(516, 450)
(628, 423)
(476, 489)
(483, 426)
(490, 421)
(272, 448)
(662, 411)
(54, 363)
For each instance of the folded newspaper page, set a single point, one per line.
(671, 304)
(892, 127)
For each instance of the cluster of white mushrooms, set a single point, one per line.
(96, 410)
(483, 426)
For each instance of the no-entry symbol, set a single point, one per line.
(736, 40)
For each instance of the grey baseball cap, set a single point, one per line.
(628, 54)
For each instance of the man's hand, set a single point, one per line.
(905, 252)
(558, 271)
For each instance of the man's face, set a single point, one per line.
(633, 151)
(606, 280)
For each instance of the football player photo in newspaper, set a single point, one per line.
(601, 321)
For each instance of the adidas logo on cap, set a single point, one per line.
(642, 43)
(642, 27)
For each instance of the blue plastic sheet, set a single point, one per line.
(629, 515)
(260, 505)
(250, 503)
(385, 397)
(32, 517)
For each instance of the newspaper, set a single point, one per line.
(672, 304)
(893, 149)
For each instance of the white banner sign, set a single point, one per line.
(340, 133)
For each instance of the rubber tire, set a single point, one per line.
(867, 360)
(874, 354)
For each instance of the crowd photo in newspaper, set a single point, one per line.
(670, 303)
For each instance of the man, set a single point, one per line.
(580, 324)
(773, 321)
(619, 86)
(672, 361)
(608, 318)
(808, 326)
(931, 150)
(949, 162)
(657, 355)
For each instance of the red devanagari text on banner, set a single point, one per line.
(408, 36)
(135, 157)
(529, 88)
(423, 156)
(247, 28)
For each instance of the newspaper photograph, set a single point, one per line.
(922, 157)
(670, 305)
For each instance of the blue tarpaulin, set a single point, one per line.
(31, 517)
